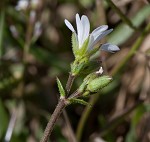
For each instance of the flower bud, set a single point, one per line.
(98, 83)
(86, 81)
(90, 78)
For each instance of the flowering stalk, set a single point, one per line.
(83, 48)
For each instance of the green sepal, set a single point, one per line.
(61, 89)
(98, 83)
(82, 87)
(82, 51)
(78, 65)
(90, 77)
(79, 101)
(75, 46)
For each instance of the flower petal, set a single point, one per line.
(69, 25)
(79, 29)
(110, 47)
(91, 40)
(94, 35)
(99, 30)
(101, 35)
(86, 27)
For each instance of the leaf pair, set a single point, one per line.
(71, 100)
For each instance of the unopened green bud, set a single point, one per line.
(98, 83)
(86, 81)
(89, 78)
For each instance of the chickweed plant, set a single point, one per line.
(84, 46)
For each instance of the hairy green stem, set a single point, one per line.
(92, 101)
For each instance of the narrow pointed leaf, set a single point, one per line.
(79, 101)
(61, 89)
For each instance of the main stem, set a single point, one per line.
(58, 110)
(69, 82)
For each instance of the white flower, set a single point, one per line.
(83, 33)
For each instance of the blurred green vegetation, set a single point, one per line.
(35, 47)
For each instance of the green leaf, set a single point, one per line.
(79, 101)
(61, 89)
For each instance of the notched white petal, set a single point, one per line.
(69, 25)
(86, 27)
(79, 24)
(99, 30)
(79, 29)
(91, 40)
(103, 34)
(109, 48)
